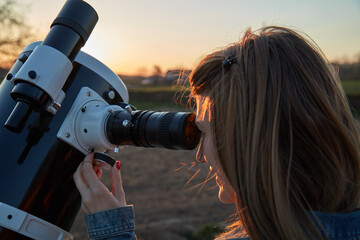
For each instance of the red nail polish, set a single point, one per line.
(118, 165)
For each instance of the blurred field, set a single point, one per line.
(163, 98)
(351, 87)
(160, 98)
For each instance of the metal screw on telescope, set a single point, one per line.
(22, 58)
(9, 76)
(127, 123)
(32, 74)
(128, 109)
(110, 111)
(111, 94)
(116, 149)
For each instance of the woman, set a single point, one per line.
(277, 132)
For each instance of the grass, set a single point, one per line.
(150, 89)
(205, 232)
(167, 98)
(156, 106)
(159, 98)
(351, 87)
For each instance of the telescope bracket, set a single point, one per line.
(47, 68)
(84, 125)
(29, 225)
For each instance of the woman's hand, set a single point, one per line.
(95, 195)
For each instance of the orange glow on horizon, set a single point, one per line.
(131, 37)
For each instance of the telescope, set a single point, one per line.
(58, 104)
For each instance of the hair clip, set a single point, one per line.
(228, 61)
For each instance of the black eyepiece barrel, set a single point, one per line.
(18, 117)
(79, 16)
(172, 130)
(72, 28)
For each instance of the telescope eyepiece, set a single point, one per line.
(172, 130)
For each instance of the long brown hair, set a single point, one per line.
(283, 131)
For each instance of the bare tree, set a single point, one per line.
(15, 34)
(157, 70)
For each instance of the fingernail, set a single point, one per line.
(118, 165)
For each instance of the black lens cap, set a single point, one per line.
(103, 160)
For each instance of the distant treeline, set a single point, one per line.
(349, 71)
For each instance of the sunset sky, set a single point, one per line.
(134, 35)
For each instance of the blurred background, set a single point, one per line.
(150, 45)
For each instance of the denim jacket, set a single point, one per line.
(119, 224)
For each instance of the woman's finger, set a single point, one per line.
(88, 173)
(116, 183)
(80, 183)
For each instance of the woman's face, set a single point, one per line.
(207, 153)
